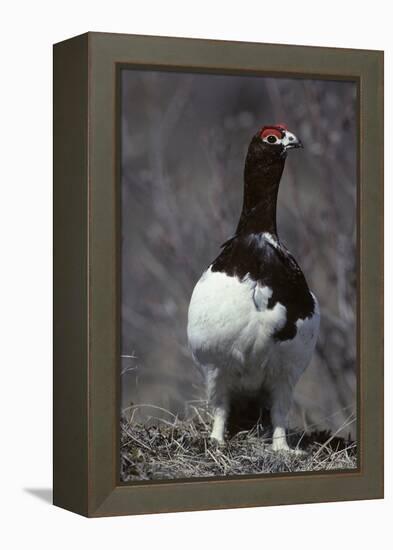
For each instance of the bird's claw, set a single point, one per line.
(285, 448)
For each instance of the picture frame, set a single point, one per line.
(86, 274)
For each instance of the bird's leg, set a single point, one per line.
(218, 398)
(279, 422)
(281, 404)
(219, 422)
(279, 438)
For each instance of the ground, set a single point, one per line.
(182, 449)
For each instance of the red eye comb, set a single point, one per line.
(271, 131)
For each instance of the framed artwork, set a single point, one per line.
(218, 274)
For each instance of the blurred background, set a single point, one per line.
(184, 141)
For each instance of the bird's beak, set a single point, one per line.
(290, 141)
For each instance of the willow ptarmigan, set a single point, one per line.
(252, 320)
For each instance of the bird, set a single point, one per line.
(253, 322)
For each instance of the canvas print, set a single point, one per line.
(238, 243)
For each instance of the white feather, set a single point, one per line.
(231, 334)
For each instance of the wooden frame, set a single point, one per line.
(86, 340)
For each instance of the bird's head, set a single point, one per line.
(273, 142)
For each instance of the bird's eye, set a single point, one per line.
(271, 139)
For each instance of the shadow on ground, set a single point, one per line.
(44, 494)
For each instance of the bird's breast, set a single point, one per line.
(224, 322)
(233, 324)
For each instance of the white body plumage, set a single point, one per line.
(231, 334)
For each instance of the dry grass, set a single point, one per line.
(182, 449)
